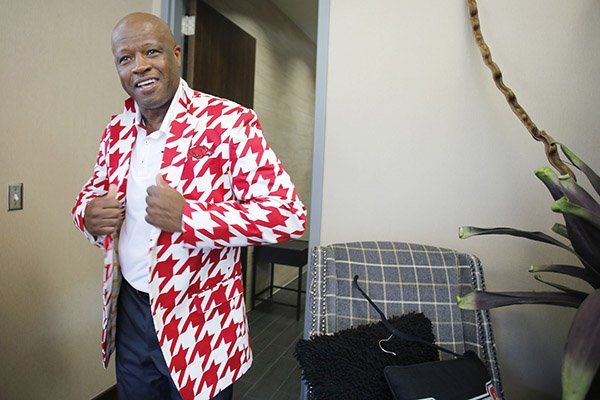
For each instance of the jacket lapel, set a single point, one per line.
(124, 133)
(182, 129)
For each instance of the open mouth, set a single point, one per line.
(145, 84)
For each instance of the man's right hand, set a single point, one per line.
(103, 215)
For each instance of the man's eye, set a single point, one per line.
(151, 52)
(123, 59)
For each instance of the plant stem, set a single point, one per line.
(550, 145)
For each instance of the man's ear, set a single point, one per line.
(177, 52)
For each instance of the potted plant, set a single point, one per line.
(579, 234)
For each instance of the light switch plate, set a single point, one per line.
(15, 197)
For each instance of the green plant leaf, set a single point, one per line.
(578, 195)
(563, 288)
(465, 232)
(479, 300)
(583, 167)
(563, 205)
(584, 236)
(550, 179)
(561, 229)
(571, 270)
(582, 353)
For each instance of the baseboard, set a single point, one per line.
(108, 394)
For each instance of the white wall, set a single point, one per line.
(59, 88)
(419, 142)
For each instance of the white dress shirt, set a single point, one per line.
(136, 233)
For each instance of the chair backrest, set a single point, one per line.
(401, 277)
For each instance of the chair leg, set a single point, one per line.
(244, 262)
(272, 280)
(254, 268)
(299, 298)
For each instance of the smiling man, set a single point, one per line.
(182, 180)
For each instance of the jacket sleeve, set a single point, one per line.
(266, 208)
(96, 186)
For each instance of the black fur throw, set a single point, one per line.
(349, 364)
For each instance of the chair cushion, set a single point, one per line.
(349, 364)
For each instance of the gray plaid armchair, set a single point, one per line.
(401, 277)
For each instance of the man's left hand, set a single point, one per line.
(164, 206)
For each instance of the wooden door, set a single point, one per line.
(220, 56)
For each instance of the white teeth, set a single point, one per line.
(147, 82)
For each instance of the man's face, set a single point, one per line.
(147, 60)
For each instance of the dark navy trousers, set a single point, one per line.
(142, 373)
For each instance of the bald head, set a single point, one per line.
(147, 22)
(147, 60)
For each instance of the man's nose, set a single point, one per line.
(141, 65)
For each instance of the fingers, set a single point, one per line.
(166, 220)
(152, 191)
(104, 215)
(154, 214)
(164, 206)
(160, 182)
(105, 203)
(155, 192)
(107, 226)
(102, 221)
(112, 191)
(151, 218)
(110, 199)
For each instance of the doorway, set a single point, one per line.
(284, 98)
(278, 82)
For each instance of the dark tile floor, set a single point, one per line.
(274, 331)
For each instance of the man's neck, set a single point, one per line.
(152, 125)
(153, 118)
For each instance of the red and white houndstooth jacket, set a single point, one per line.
(237, 194)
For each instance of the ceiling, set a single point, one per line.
(303, 13)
